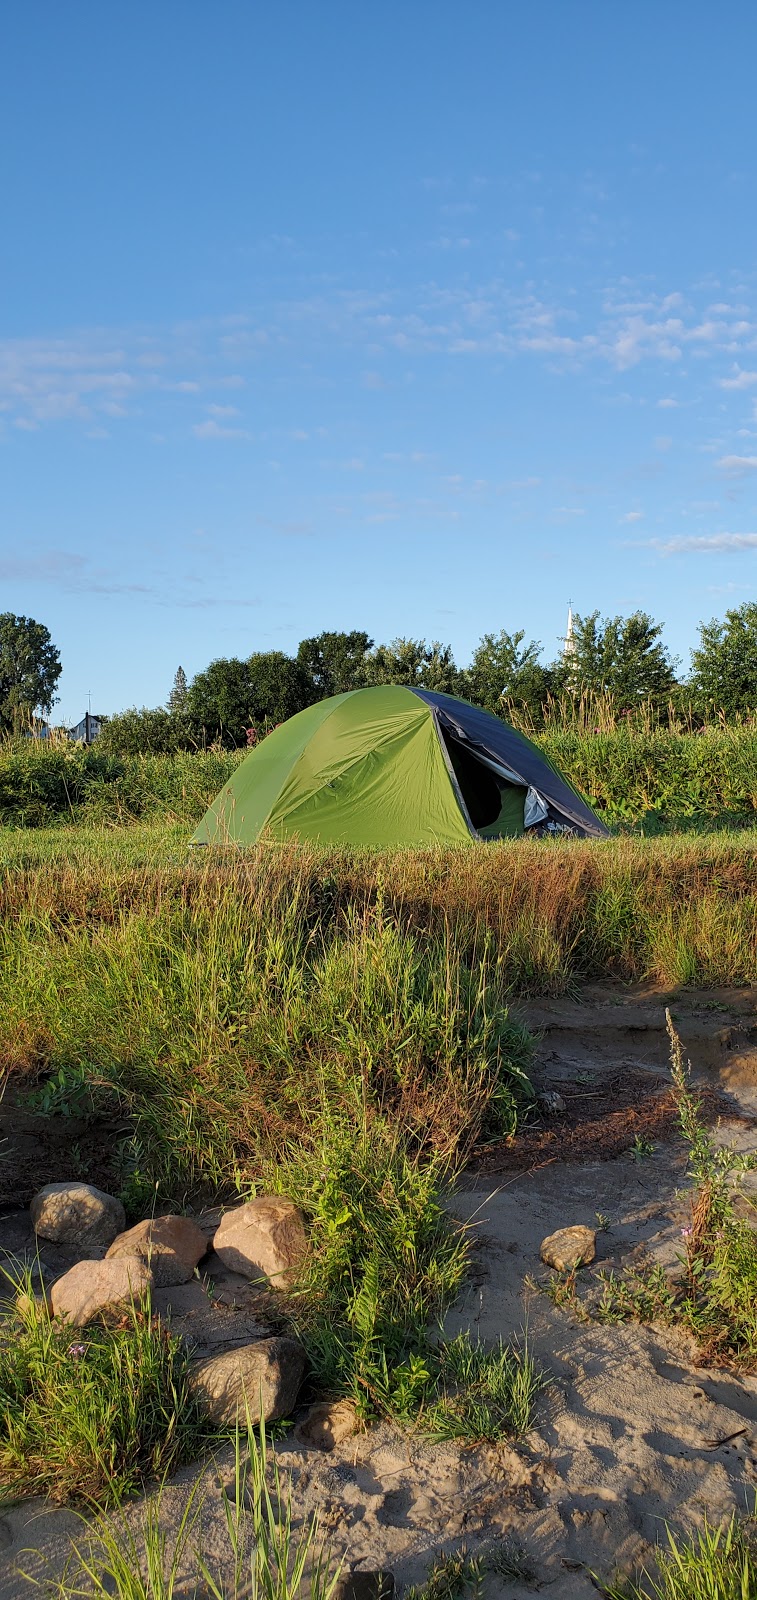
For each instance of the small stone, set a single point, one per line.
(551, 1102)
(327, 1424)
(569, 1248)
(357, 1585)
(263, 1377)
(263, 1239)
(77, 1213)
(95, 1288)
(170, 1246)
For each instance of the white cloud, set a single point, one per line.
(668, 404)
(737, 466)
(740, 380)
(632, 516)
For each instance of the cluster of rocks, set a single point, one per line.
(263, 1242)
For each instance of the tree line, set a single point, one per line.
(233, 701)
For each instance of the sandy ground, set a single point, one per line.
(630, 1431)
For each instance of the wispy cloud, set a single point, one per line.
(66, 570)
(288, 530)
(632, 516)
(210, 429)
(706, 543)
(97, 374)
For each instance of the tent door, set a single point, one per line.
(492, 797)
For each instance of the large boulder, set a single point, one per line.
(77, 1214)
(170, 1246)
(262, 1378)
(95, 1289)
(263, 1239)
(569, 1248)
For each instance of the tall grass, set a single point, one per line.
(717, 1563)
(541, 914)
(91, 1415)
(245, 1018)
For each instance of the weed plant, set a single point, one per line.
(714, 1294)
(718, 1563)
(266, 1557)
(92, 1415)
(458, 1572)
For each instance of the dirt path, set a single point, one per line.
(630, 1432)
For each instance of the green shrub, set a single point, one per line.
(633, 777)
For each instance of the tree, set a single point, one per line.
(416, 664)
(177, 699)
(504, 669)
(29, 670)
(279, 687)
(724, 668)
(231, 696)
(334, 662)
(622, 657)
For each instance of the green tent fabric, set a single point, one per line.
(388, 767)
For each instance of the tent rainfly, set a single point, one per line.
(391, 767)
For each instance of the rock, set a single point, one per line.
(357, 1585)
(94, 1288)
(170, 1246)
(267, 1373)
(263, 1239)
(327, 1424)
(77, 1213)
(551, 1102)
(569, 1248)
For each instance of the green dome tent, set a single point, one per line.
(389, 767)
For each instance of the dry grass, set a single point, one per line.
(679, 910)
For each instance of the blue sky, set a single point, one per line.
(421, 318)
